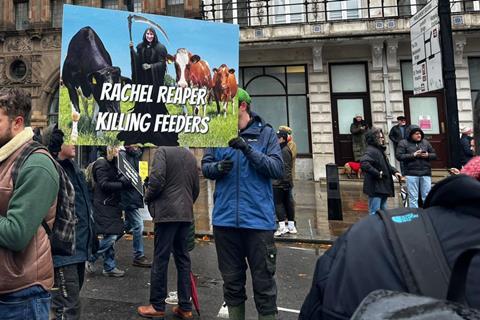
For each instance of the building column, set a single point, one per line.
(464, 97)
(320, 114)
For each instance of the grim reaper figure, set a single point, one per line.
(148, 68)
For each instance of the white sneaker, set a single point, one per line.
(172, 298)
(280, 232)
(292, 230)
(89, 267)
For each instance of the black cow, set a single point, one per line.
(88, 66)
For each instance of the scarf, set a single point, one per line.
(13, 145)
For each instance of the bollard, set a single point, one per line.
(333, 193)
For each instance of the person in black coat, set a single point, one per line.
(466, 151)
(109, 184)
(132, 201)
(378, 181)
(69, 271)
(149, 64)
(397, 134)
(358, 129)
(416, 153)
(362, 260)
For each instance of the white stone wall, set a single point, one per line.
(320, 120)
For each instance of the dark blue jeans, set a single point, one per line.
(171, 237)
(32, 303)
(134, 223)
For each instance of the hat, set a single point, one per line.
(286, 128)
(359, 115)
(243, 96)
(472, 168)
(53, 139)
(401, 118)
(282, 134)
(466, 130)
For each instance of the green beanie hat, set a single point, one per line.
(243, 96)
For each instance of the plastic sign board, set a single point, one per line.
(426, 52)
(126, 169)
(143, 169)
(141, 79)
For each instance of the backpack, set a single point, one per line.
(433, 291)
(62, 236)
(417, 250)
(386, 305)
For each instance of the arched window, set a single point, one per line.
(53, 109)
(279, 96)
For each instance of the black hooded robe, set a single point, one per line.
(155, 55)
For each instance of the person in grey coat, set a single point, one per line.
(173, 187)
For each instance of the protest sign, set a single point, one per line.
(131, 78)
(129, 172)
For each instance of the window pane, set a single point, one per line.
(56, 8)
(407, 76)
(272, 109)
(348, 78)
(474, 96)
(277, 72)
(474, 70)
(110, 4)
(297, 112)
(137, 6)
(423, 113)
(352, 6)
(347, 110)
(265, 85)
(279, 11)
(334, 9)
(296, 80)
(21, 15)
(250, 73)
(296, 10)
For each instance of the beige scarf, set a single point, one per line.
(19, 140)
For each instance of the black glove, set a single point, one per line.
(125, 181)
(239, 143)
(225, 166)
(145, 183)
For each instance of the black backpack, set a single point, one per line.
(62, 236)
(433, 290)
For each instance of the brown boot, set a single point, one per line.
(182, 314)
(150, 312)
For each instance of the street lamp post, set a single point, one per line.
(453, 135)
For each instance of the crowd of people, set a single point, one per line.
(253, 191)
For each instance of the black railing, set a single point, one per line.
(251, 13)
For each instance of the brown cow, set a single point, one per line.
(224, 87)
(191, 71)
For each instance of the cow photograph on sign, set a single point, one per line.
(132, 78)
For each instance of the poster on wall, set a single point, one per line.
(425, 123)
(141, 79)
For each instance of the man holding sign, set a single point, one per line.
(132, 200)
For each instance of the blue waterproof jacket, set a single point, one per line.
(243, 197)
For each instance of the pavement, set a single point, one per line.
(117, 298)
(311, 210)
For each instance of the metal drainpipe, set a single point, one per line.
(388, 106)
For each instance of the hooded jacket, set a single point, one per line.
(372, 163)
(244, 197)
(414, 166)
(362, 259)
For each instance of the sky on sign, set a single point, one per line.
(216, 43)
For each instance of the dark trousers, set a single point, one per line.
(171, 237)
(68, 281)
(236, 247)
(284, 204)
